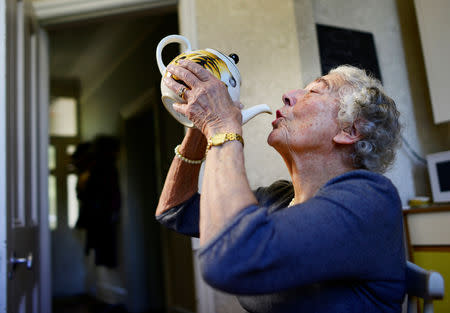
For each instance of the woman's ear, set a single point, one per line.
(347, 136)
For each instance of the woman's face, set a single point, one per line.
(308, 120)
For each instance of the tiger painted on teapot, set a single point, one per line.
(223, 67)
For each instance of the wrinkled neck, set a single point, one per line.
(310, 171)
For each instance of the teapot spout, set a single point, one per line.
(253, 111)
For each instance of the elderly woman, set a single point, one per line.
(330, 241)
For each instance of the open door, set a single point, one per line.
(21, 157)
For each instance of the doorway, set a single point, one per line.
(98, 69)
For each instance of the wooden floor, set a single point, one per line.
(86, 304)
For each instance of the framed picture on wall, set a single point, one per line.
(338, 46)
(439, 173)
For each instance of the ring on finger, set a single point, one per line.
(181, 92)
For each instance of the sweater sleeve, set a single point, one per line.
(352, 229)
(183, 218)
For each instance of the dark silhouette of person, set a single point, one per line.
(98, 192)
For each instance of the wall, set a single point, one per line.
(269, 64)
(132, 72)
(434, 27)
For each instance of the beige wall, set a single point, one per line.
(263, 34)
(434, 26)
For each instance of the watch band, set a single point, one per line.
(221, 138)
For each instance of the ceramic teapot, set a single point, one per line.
(221, 66)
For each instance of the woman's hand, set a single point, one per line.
(208, 103)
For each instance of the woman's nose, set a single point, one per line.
(289, 98)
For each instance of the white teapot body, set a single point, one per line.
(221, 66)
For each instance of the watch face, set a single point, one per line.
(218, 139)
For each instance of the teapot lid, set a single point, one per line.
(234, 57)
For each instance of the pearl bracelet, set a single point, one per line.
(184, 159)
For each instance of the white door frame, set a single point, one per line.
(7, 98)
(3, 210)
(43, 68)
(53, 12)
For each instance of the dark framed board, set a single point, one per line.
(338, 46)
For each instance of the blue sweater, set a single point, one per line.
(340, 251)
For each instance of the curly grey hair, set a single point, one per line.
(364, 105)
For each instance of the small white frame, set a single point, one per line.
(433, 160)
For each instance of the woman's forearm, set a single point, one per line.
(182, 179)
(225, 189)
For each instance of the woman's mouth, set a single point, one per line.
(279, 117)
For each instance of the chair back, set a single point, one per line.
(428, 285)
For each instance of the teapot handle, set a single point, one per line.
(164, 42)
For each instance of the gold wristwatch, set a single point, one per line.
(220, 139)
